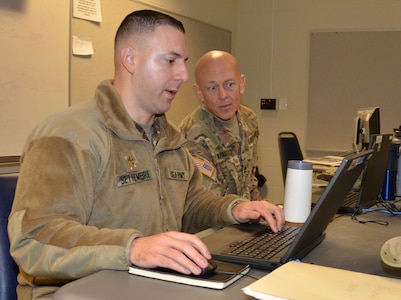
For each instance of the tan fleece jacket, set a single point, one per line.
(90, 182)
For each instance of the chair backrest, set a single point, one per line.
(8, 268)
(289, 150)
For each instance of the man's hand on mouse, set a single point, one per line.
(256, 211)
(186, 253)
(178, 251)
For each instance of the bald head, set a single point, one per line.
(219, 84)
(215, 61)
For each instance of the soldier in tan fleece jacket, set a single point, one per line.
(109, 183)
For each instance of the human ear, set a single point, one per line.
(127, 58)
(198, 93)
(242, 82)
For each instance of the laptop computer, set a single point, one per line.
(301, 240)
(372, 178)
(367, 188)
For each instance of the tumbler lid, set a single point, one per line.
(300, 165)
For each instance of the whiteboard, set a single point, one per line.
(350, 70)
(34, 67)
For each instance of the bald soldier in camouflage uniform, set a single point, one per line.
(222, 134)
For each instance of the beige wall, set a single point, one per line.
(272, 45)
(33, 67)
(220, 13)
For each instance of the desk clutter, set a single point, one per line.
(328, 160)
(303, 281)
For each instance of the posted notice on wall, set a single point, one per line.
(88, 10)
(81, 46)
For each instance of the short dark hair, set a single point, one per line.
(145, 20)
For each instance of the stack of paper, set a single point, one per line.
(302, 281)
(329, 160)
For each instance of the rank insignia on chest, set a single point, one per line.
(129, 160)
(224, 154)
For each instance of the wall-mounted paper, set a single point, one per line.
(81, 45)
(87, 10)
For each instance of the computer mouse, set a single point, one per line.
(209, 270)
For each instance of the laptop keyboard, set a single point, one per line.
(264, 244)
(350, 200)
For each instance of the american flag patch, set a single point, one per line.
(205, 167)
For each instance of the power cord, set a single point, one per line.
(388, 207)
(379, 222)
(386, 211)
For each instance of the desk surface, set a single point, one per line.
(348, 245)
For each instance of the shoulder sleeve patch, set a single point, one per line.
(205, 167)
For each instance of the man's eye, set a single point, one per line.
(212, 88)
(229, 84)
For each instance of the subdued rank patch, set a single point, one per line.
(134, 177)
(205, 167)
(177, 175)
(224, 154)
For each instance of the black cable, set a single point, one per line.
(235, 273)
(379, 222)
(388, 205)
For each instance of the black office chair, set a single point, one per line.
(8, 268)
(289, 150)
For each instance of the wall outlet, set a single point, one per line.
(283, 104)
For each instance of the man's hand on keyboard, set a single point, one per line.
(256, 211)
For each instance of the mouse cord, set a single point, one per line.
(235, 273)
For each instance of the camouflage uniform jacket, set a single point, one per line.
(228, 162)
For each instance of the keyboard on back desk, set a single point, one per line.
(350, 200)
(264, 244)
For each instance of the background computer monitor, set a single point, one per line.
(367, 122)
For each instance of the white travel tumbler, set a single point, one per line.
(298, 191)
